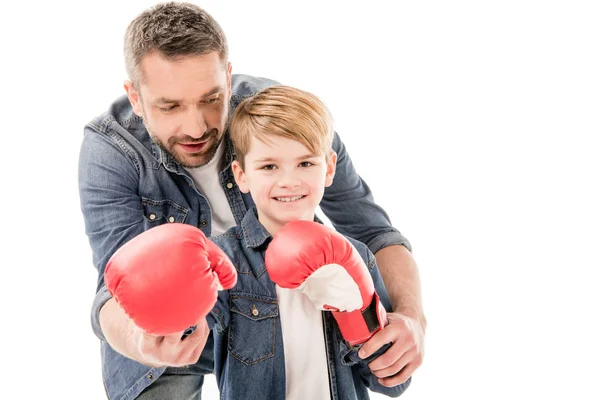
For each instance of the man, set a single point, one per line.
(162, 154)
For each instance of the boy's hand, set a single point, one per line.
(324, 265)
(405, 355)
(167, 278)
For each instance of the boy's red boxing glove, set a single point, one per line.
(166, 278)
(326, 267)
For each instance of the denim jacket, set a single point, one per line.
(127, 185)
(249, 357)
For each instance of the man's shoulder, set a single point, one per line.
(119, 127)
(243, 86)
(364, 252)
(119, 112)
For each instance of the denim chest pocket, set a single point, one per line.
(159, 212)
(252, 329)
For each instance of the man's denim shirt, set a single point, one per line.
(128, 185)
(249, 357)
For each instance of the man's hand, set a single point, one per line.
(405, 355)
(127, 338)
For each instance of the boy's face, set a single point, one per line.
(285, 180)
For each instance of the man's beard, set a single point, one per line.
(207, 153)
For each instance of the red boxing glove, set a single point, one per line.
(166, 279)
(326, 267)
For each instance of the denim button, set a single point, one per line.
(254, 310)
(150, 376)
(229, 185)
(203, 222)
(171, 219)
(152, 217)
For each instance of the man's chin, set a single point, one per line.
(192, 161)
(195, 160)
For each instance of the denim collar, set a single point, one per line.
(255, 234)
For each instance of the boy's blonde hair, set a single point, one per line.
(282, 111)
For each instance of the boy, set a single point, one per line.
(270, 340)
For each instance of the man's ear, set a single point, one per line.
(229, 80)
(134, 98)
(331, 163)
(240, 176)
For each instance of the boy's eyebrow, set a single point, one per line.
(271, 159)
(264, 159)
(211, 92)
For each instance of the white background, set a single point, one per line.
(475, 123)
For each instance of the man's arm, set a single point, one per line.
(113, 215)
(400, 274)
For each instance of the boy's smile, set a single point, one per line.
(285, 179)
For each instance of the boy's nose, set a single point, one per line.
(288, 179)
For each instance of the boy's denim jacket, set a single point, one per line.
(127, 185)
(249, 357)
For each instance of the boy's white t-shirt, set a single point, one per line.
(206, 179)
(306, 373)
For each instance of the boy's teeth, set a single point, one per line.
(288, 199)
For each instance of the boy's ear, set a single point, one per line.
(331, 163)
(240, 177)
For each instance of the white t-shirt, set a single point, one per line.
(306, 373)
(206, 179)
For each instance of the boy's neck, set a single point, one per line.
(273, 228)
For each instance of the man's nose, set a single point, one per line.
(194, 124)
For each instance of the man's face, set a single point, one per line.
(184, 104)
(285, 179)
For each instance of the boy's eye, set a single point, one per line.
(268, 167)
(305, 164)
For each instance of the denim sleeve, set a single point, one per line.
(111, 206)
(218, 318)
(349, 205)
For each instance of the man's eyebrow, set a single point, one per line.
(164, 100)
(211, 92)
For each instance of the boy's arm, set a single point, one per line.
(349, 205)
(350, 354)
(406, 325)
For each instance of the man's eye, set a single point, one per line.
(169, 108)
(213, 100)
